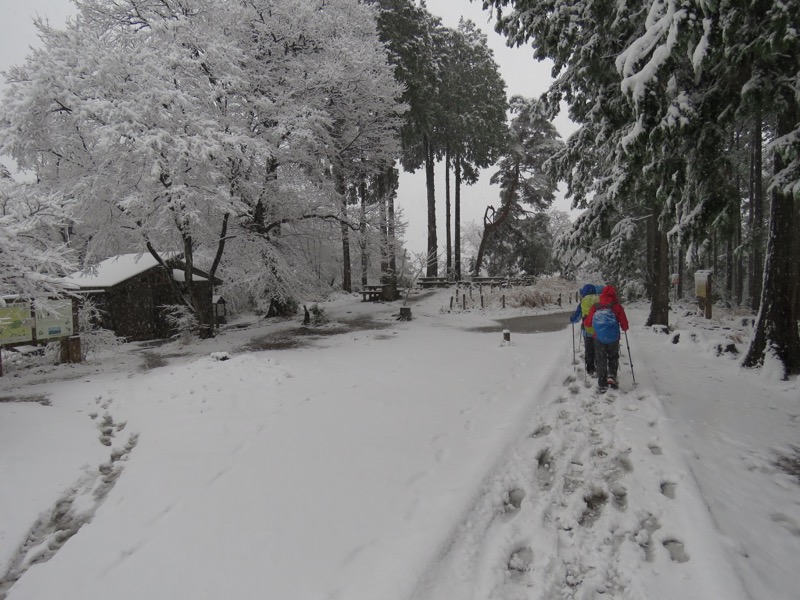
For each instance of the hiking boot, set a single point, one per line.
(613, 382)
(591, 372)
(602, 389)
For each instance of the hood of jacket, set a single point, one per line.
(587, 289)
(609, 295)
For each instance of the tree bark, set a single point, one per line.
(457, 219)
(757, 226)
(679, 252)
(776, 327)
(652, 223)
(362, 226)
(347, 273)
(448, 231)
(659, 301)
(433, 245)
(392, 249)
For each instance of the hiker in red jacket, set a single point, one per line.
(607, 317)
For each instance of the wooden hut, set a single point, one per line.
(132, 292)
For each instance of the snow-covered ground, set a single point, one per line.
(402, 460)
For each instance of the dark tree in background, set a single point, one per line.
(524, 183)
(659, 96)
(474, 124)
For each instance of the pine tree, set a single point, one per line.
(474, 125)
(524, 183)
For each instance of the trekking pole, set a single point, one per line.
(630, 360)
(574, 360)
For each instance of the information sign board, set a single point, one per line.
(56, 322)
(16, 323)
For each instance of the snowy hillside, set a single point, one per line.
(372, 458)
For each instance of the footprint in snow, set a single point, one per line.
(676, 550)
(619, 496)
(514, 502)
(655, 449)
(594, 507)
(521, 560)
(544, 472)
(542, 430)
(668, 488)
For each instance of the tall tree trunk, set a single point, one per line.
(652, 223)
(347, 273)
(730, 266)
(714, 253)
(433, 244)
(776, 326)
(457, 218)
(362, 222)
(795, 316)
(204, 324)
(383, 196)
(757, 226)
(448, 231)
(391, 277)
(740, 272)
(736, 241)
(680, 267)
(659, 301)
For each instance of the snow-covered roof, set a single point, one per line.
(179, 275)
(116, 269)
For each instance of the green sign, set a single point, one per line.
(56, 322)
(16, 323)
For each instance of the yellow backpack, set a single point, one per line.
(586, 303)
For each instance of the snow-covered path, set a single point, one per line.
(595, 502)
(324, 472)
(422, 460)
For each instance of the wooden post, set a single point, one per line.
(504, 300)
(481, 300)
(464, 301)
(451, 303)
(559, 299)
(506, 335)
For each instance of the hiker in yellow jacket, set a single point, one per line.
(589, 298)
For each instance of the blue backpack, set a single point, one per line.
(606, 326)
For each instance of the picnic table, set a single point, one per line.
(432, 282)
(373, 293)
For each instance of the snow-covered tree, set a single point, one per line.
(525, 185)
(198, 124)
(473, 120)
(722, 61)
(415, 42)
(31, 260)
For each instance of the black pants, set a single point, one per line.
(589, 353)
(607, 361)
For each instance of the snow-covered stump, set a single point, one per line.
(405, 313)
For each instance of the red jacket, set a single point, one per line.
(608, 297)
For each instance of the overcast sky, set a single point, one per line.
(523, 75)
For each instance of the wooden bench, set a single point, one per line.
(373, 293)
